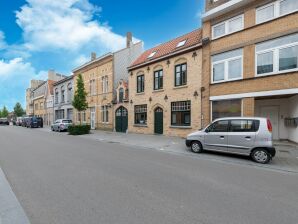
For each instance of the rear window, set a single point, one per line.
(67, 121)
(244, 125)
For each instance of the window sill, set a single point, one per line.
(158, 90)
(142, 93)
(277, 73)
(180, 87)
(181, 127)
(223, 81)
(141, 125)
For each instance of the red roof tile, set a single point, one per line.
(193, 38)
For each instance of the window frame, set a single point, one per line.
(211, 107)
(142, 90)
(227, 26)
(184, 112)
(104, 114)
(160, 76)
(276, 8)
(276, 51)
(226, 68)
(146, 114)
(175, 79)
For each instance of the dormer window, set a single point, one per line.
(152, 54)
(181, 43)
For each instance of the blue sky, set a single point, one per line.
(38, 35)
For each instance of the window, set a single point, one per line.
(105, 84)
(36, 106)
(227, 66)
(278, 55)
(219, 126)
(158, 80)
(181, 75)
(244, 126)
(121, 95)
(229, 26)
(62, 94)
(69, 92)
(59, 114)
(226, 108)
(275, 9)
(105, 114)
(82, 116)
(56, 96)
(141, 114)
(140, 83)
(181, 43)
(152, 54)
(180, 113)
(41, 106)
(92, 87)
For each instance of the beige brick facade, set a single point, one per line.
(98, 81)
(163, 98)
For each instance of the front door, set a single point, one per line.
(158, 121)
(216, 137)
(272, 112)
(92, 118)
(121, 119)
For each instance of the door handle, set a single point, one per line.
(222, 137)
(248, 137)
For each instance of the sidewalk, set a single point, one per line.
(286, 158)
(11, 211)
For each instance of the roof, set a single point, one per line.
(63, 80)
(193, 39)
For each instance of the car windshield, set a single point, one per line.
(67, 121)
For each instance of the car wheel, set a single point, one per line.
(261, 156)
(196, 147)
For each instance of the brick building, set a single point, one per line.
(164, 88)
(250, 62)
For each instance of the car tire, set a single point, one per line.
(261, 155)
(196, 147)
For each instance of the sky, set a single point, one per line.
(39, 35)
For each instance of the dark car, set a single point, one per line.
(4, 121)
(34, 122)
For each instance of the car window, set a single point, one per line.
(66, 121)
(219, 126)
(242, 126)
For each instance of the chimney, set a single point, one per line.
(51, 74)
(128, 39)
(93, 56)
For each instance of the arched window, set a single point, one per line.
(62, 94)
(56, 96)
(121, 95)
(69, 92)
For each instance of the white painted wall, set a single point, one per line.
(288, 108)
(293, 112)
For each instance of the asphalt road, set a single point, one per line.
(64, 179)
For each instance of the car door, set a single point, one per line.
(241, 136)
(216, 137)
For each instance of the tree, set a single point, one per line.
(79, 101)
(18, 110)
(4, 112)
(0, 113)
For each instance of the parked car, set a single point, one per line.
(19, 121)
(24, 121)
(249, 136)
(4, 121)
(34, 122)
(61, 125)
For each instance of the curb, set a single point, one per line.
(11, 212)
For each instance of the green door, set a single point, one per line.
(158, 121)
(121, 119)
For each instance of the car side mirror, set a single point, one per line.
(207, 130)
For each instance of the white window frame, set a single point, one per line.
(275, 51)
(226, 69)
(227, 26)
(276, 14)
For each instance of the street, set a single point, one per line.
(59, 178)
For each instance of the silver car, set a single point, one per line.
(61, 125)
(238, 135)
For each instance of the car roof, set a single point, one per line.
(238, 118)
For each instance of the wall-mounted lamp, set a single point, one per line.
(195, 94)
(150, 99)
(131, 102)
(131, 74)
(148, 68)
(168, 62)
(166, 97)
(194, 54)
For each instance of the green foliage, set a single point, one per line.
(79, 102)
(18, 110)
(79, 129)
(0, 113)
(4, 112)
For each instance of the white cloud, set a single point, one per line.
(15, 76)
(64, 24)
(2, 40)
